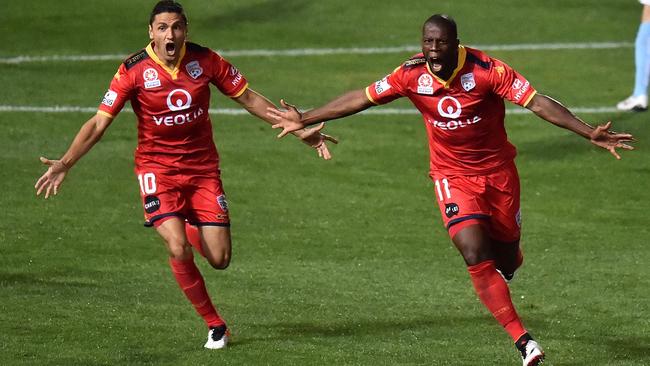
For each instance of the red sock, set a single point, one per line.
(191, 282)
(495, 295)
(194, 237)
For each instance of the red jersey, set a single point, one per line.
(464, 116)
(174, 128)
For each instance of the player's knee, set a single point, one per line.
(473, 257)
(178, 249)
(219, 261)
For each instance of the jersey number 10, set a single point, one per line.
(147, 183)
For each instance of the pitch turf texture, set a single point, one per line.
(340, 262)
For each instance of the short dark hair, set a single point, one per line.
(167, 6)
(443, 20)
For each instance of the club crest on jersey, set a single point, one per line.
(425, 84)
(150, 77)
(467, 81)
(194, 69)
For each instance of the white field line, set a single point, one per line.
(237, 111)
(328, 51)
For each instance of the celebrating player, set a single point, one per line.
(460, 93)
(176, 161)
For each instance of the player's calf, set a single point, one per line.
(508, 258)
(217, 245)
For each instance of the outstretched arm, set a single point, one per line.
(86, 138)
(291, 120)
(554, 112)
(257, 105)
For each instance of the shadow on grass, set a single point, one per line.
(375, 328)
(45, 280)
(631, 348)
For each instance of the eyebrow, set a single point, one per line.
(161, 22)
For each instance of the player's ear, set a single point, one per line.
(150, 32)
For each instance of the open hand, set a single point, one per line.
(316, 139)
(288, 120)
(610, 140)
(52, 178)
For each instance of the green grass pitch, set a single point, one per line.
(335, 263)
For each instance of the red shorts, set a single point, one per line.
(491, 200)
(197, 198)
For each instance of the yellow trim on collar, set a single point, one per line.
(462, 54)
(173, 72)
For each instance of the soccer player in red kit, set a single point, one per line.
(176, 161)
(460, 93)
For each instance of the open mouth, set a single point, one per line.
(435, 64)
(170, 48)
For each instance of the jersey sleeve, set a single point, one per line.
(118, 93)
(226, 77)
(509, 84)
(387, 89)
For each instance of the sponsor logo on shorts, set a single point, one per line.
(467, 81)
(150, 77)
(425, 84)
(109, 98)
(151, 204)
(518, 217)
(382, 85)
(194, 69)
(451, 210)
(221, 200)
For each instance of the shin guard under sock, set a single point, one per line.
(495, 295)
(191, 282)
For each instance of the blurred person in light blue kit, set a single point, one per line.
(638, 101)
